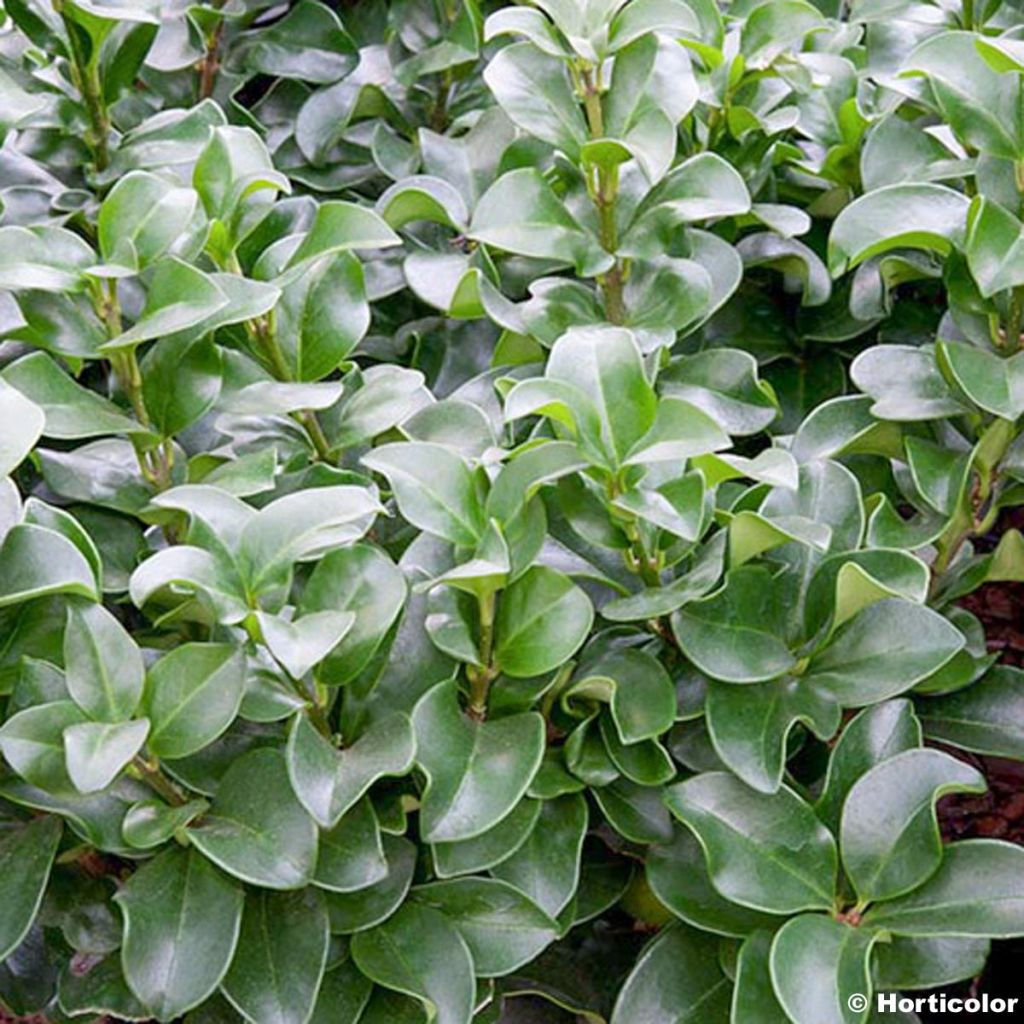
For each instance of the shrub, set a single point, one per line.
(471, 478)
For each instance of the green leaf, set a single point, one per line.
(606, 365)
(970, 95)
(300, 527)
(150, 823)
(733, 635)
(282, 952)
(982, 717)
(502, 928)
(308, 44)
(302, 643)
(362, 580)
(546, 867)
(677, 980)
(750, 725)
(141, 219)
(100, 991)
(637, 812)
(533, 88)
(876, 734)
(328, 781)
(818, 965)
(35, 561)
(977, 891)
(32, 742)
(889, 835)
(351, 854)
(680, 431)
(521, 214)
(192, 695)
(72, 411)
(845, 584)
(339, 227)
(26, 855)
(23, 422)
(883, 651)
(257, 830)
(753, 998)
(640, 694)
(543, 617)
(420, 952)
(905, 383)
(704, 187)
(724, 383)
(103, 666)
(929, 962)
(236, 179)
(491, 847)
(766, 852)
(993, 248)
(322, 316)
(344, 995)
(181, 924)
(181, 381)
(96, 752)
(752, 534)
(988, 380)
(179, 297)
(366, 908)
(917, 216)
(476, 771)
(49, 259)
(434, 488)
(678, 876)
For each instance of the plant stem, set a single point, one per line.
(155, 465)
(263, 333)
(86, 76)
(151, 774)
(604, 188)
(481, 676)
(210, 64)
(1014, 319)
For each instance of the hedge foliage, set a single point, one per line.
(472, 476)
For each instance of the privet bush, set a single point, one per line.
(471, 476)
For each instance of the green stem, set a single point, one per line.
(481, 676)
(263, 333)
(1014, 319)
(86, 75)
(210, 64)
(155, 465)
(314, 709)
(604, 190)
(151, 774)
